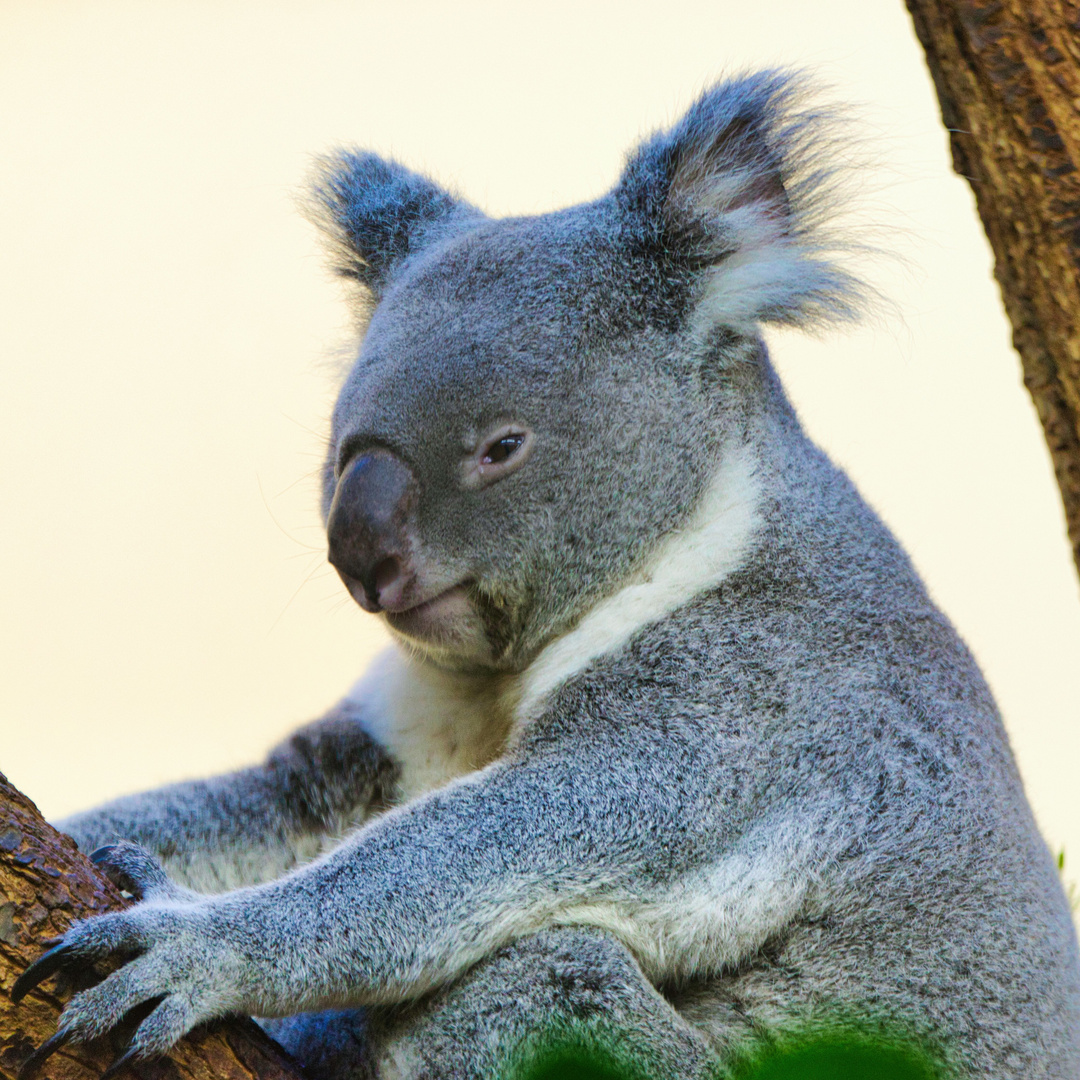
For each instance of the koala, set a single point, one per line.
(672, 751)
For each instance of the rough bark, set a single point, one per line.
(45, 883)
(1007, 74)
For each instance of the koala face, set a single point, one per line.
(538, 402)
(510, 442)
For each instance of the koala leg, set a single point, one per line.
(330, 1045)
(569, 988)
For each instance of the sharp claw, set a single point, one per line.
(49, 964)
(38, 1058)
(121, 1063)
(120, 878)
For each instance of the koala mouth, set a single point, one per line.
(440, 617)
(447, 622)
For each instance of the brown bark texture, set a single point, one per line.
(1007, 74)
(45, 884)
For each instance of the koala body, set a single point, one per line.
(673, 747)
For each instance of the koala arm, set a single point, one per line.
(411, 900)
(254, 824)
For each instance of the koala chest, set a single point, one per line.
(437, 725)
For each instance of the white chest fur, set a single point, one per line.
(437, 725)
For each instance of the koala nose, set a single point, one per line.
(368, 529)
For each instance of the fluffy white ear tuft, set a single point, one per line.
(739, 195)
(376, 213)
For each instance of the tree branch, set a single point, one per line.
(45, 884)
(1007, 74)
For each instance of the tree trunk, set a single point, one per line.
(45, 884)
(1007, 74)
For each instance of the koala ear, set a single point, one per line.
(735, 195)
(377, 213)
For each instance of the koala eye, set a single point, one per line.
(497, 452)
(501, 453)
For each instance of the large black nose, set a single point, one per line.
(368, 528)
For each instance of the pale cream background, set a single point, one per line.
(168, 336)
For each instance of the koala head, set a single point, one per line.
(538, 402)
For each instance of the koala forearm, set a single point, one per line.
(255, 824)
(210, 834)
(410, 902)
(417, 897)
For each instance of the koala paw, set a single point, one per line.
(131, 868)
(177, 968)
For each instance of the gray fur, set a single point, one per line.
(752, 779)
(255, 824)
(568, 982)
